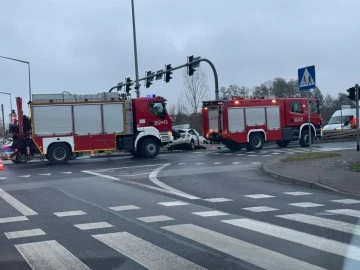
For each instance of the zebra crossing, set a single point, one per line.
(234, 241)
(268, 152)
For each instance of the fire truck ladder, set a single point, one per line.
(220, 114)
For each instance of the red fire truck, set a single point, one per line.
(239, 122)
(62, 125)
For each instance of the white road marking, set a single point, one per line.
(346, 212)
(24, 176)
(228, 154)
(265, 258)
(182, 163)
(173, 203)
(49, 255)
(151, 219)
(45, 174)
(13, 219)
(25, 233)
(199, 163)
(22, 208)
(2, 178)
(210, 213)
(144, 253)
(124, 207)
(215, 200)
(238, 162)
(217, 163)
(256, 163)
(266, 155)
(313, 241)
(93, 226)
(324, 222)
(153, 178)
(297, 193)
(101, 175)
(69, 213)
(259, 209)
(67, 172)
(346, 201)
(306, 204)
(276, 153)
(240, 154)
(259, 196)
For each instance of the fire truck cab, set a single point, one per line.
(239, 122)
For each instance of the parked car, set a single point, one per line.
(187, 139)
(7, 149)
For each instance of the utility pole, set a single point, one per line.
(3, 120)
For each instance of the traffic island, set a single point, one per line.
(336, 171)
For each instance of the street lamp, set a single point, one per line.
(5, 93)
(137, 86)
(25, 62)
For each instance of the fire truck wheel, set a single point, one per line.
(58, 153)
(149, 148)
(256, 142)
(305, 139)
(283, 143)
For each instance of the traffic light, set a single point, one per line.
(128, 84)
(168, 73)
(148, 80)
(190, 67)
(351, 95)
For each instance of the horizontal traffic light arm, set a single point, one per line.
(178, 67)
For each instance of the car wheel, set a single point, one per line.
(192, 145)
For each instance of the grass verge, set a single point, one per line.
(305, 156)
(355, 166)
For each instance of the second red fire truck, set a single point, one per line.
(239, 122)
(62, 125)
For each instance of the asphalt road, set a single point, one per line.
(183, 210)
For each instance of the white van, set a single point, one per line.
(339, 119)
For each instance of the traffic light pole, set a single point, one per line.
(357, 117)
(178, 67)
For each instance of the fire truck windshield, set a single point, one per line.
(158, 109)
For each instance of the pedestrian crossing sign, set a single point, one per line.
(306, 78)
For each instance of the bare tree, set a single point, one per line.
(196, 90)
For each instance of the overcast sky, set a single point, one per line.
(86, 46)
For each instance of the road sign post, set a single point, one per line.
(357, 116)
(306, 80)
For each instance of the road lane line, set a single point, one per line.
(210, 213)
(346, 201)
(259, 209)
(217, 163)
(153, 178)
(13, 219)
(44, 174)
(309, 240)
(102, 175)
(69, 213)
(173, 203)
(324, 222)
(144, 253)
(259, 196)
(151, 219)
(22, 208)
(298, 193)
(24, 176)
(346, 212)
(242, 250)
(24, 233)
(49, 255)
(124, 207)
(215, 200)
(2, 178)
(306, 204)
(93, 226)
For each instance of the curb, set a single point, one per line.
(297, 181)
